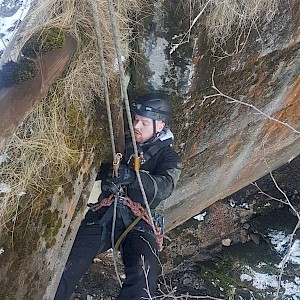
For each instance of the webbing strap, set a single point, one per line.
(136, 208)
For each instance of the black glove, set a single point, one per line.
(126, 176)
(105, 169)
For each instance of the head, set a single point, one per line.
(151, 112)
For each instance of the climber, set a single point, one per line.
(160, 169)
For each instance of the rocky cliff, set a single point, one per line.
(236, 117)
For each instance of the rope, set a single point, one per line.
(126, 101)
(110, 123)
(129, 118)
(103, 74)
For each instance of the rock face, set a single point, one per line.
(223, 146)
(198, 260)
(225, 143)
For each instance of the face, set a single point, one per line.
(143, 128)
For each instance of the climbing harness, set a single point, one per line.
(138, 210)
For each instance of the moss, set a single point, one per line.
(52, 223)
(44, 41)
(57, 227)
(51, 243)
(13, 73)
(222, 274)
(47, 215)
(19, 249)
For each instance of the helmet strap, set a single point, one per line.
(154, 130)
(154, 135)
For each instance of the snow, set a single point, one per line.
(9, 24)
(4, 188)
(263, 281)
(232, 202)
(279, 240)
(200, 217)
(295, 253)
(1, 250)
(2, 159)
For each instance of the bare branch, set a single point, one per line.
(285, 201)
(233, 100)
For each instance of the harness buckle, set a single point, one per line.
(116, 164)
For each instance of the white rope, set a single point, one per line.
(116, 38)
(110, 123)
(103, 74)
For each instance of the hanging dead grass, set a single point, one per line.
(227, 19)
(51, 140)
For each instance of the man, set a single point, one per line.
(159, 170)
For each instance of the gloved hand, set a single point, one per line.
(126, 176)
(105, 169)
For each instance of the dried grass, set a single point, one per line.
(44, 148)
(227, 19)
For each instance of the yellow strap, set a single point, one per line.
(137, 163)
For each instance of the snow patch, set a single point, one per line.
(264, 281)
(4, 188)
(279, 240)
(1, 250)
(200, 217)
(294, 255)
(10, 24)
(232, 202)
(3, 159)
(259, 280)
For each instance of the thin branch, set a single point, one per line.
(170, 290)
(188, 33)
(286, 201)
(233, 100)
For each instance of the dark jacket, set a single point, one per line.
(159, 173)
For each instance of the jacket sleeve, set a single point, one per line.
(159, 184)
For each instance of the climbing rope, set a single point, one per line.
(126, 102)
(116, 156)
(125, 99)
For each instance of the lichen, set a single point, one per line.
(44, 41)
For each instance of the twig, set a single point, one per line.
(146, 274)
(286, 201)
(170, 290)
(233, 100)
(188, 33)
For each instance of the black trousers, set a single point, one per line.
(139, 253)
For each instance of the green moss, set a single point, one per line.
(44, 41)
(52, 223)
(13, 73)
(47, 216)
(57, 227)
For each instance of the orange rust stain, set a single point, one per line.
(71, 208)
(289, 114)
(193, 149)
(295, 40)
(250, 167)
(233, 147)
